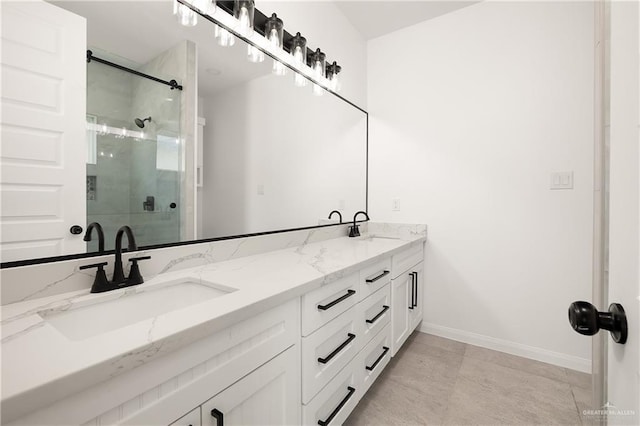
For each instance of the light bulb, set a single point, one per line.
(224, 37)
(274, 39)
(111, 155)
(300, 80)
(254, 54)
(334, 83)
(244, 22)
(318, 69)
(278, 68)
(184, 14)
(298, 56)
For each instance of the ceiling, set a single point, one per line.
(135, 32)
(376, 18)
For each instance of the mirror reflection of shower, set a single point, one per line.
(140, 123)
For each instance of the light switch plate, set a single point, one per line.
(561, 180)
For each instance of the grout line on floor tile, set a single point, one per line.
(575, 402)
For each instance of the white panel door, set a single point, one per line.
(42, 127)
(624, 253)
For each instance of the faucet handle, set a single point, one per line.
(354, 231)
(135, 277)
(100, 283)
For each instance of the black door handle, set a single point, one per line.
(412, 291)
(585, 319)
(76, 229)
(219, 416)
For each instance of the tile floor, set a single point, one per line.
(438, 381)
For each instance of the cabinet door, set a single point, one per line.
(192, 418)
(418, 283)
(401, 309)
(268, 396)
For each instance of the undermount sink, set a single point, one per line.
(120, 308)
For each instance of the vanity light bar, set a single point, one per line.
(223, 16)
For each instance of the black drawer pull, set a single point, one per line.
(338, 408)
(374, 319)
(338, 349)
(219, 416)
(384, 352)
(374, 279)
(338, 300)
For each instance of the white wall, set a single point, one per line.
(304, 172)
(470, 113)
(324, 26)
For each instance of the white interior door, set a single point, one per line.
(624, 255)
(42, 126)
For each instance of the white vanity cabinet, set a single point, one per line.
(308, 360)
(406, 294)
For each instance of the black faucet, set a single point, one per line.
(101, 284)
(118, 272)
(98, 228)
(353, 230)
(339, 215)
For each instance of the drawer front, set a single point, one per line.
(328, 350)
(406, 259)
(375, 312)
(374, 277)
(336, 401)
(375, 357)
(326, 303)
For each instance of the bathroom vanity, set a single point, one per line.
(294, 335)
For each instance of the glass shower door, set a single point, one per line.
(134, 165)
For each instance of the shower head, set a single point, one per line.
(140, 123)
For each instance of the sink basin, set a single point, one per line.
(120, 308)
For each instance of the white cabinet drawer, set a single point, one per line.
(375, 312)
(328, 350)
(374, 277)
(324, 304)
(335, 401)
(192, 418)
(404, 260)
(374, 357)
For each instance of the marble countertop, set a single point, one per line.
(40, 365)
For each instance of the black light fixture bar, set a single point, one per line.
(259, 19)
(172, 83)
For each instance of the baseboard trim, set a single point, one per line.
(531, 352)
